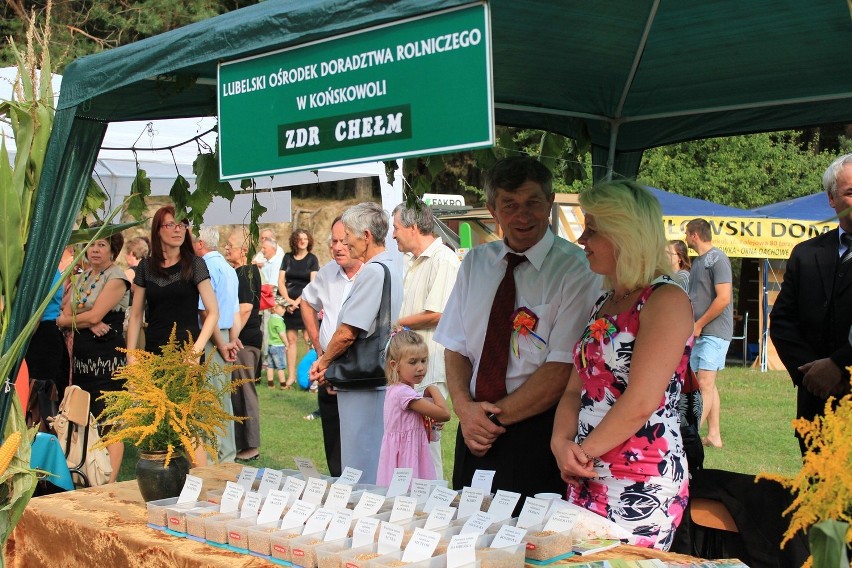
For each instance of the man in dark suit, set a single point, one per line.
(810, 320)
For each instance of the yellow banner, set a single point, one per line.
(752, 237)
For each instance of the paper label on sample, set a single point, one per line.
(533, 513)
(400, 481)
(307, 467)
(461, 551)
(470, 502)
(298, 513)
(503, 504)
(477, 523)
(562, 520)
(403, 509)
(338, 496)
(439, 517)
(295, 487)
(364, 532)
(339, 526)
(251, 505)
(508, 536)
(231, 497)
(315, 491)
(482, 479)
(369, 504)
(420, 490)
(318, 521)
(271, 480)
(191, 489)
(421, 546)
(390, 538)
(350, 476)
(441, 496)
(273, 506)
(247, 476)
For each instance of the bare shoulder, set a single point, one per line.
(668, 300)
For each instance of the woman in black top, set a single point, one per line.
(298, 269)
(168, 286)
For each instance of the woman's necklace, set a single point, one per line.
(86, 292)
(623, 296)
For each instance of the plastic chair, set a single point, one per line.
(78, 416)
(743, 338)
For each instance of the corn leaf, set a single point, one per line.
(18, 483)
(11, 245)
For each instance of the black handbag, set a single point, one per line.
(362, 366)
(690, 407)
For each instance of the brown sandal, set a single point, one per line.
(270, 384)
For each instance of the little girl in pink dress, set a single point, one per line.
(408, 416)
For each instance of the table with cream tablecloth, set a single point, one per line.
(106, 526)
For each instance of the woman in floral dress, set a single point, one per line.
(616, 436)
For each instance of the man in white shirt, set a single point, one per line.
(268, 259)
(225, 284)
(431, 270)
(325, 295)
(555, 289)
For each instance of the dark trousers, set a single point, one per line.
(330, 430)
(521, 458)
(244, 400)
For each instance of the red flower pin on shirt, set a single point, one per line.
(524, 322)
(600, 330)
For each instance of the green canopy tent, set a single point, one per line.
(632, 74)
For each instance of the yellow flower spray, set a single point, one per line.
(823, 487)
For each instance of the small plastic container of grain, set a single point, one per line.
(176, 515)
(238, 532)
(329, 553)
(544, 545)
(216, 530)
(509, 557)
(279, 542)
(157, 518)
(360, 557)
(259, 542)
(195, 519)
(303, 550)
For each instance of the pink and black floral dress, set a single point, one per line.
(642, 484)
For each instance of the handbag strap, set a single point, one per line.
(384, 318)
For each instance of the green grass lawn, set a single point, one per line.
(756, 412)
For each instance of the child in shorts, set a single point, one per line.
(277, 349)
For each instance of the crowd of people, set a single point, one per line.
(570, 385)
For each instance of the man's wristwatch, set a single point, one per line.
(494, 420)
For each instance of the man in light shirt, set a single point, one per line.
(325, 296)
(225, 284)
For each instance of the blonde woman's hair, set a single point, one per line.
(401, 345)
(631, 218)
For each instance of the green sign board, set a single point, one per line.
(410, 88)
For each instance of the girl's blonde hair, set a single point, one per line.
(401, 344)
(631, 218)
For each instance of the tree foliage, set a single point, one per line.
(462, 172)
(83, 27)
(740, 171)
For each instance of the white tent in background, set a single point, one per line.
(163, 152)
